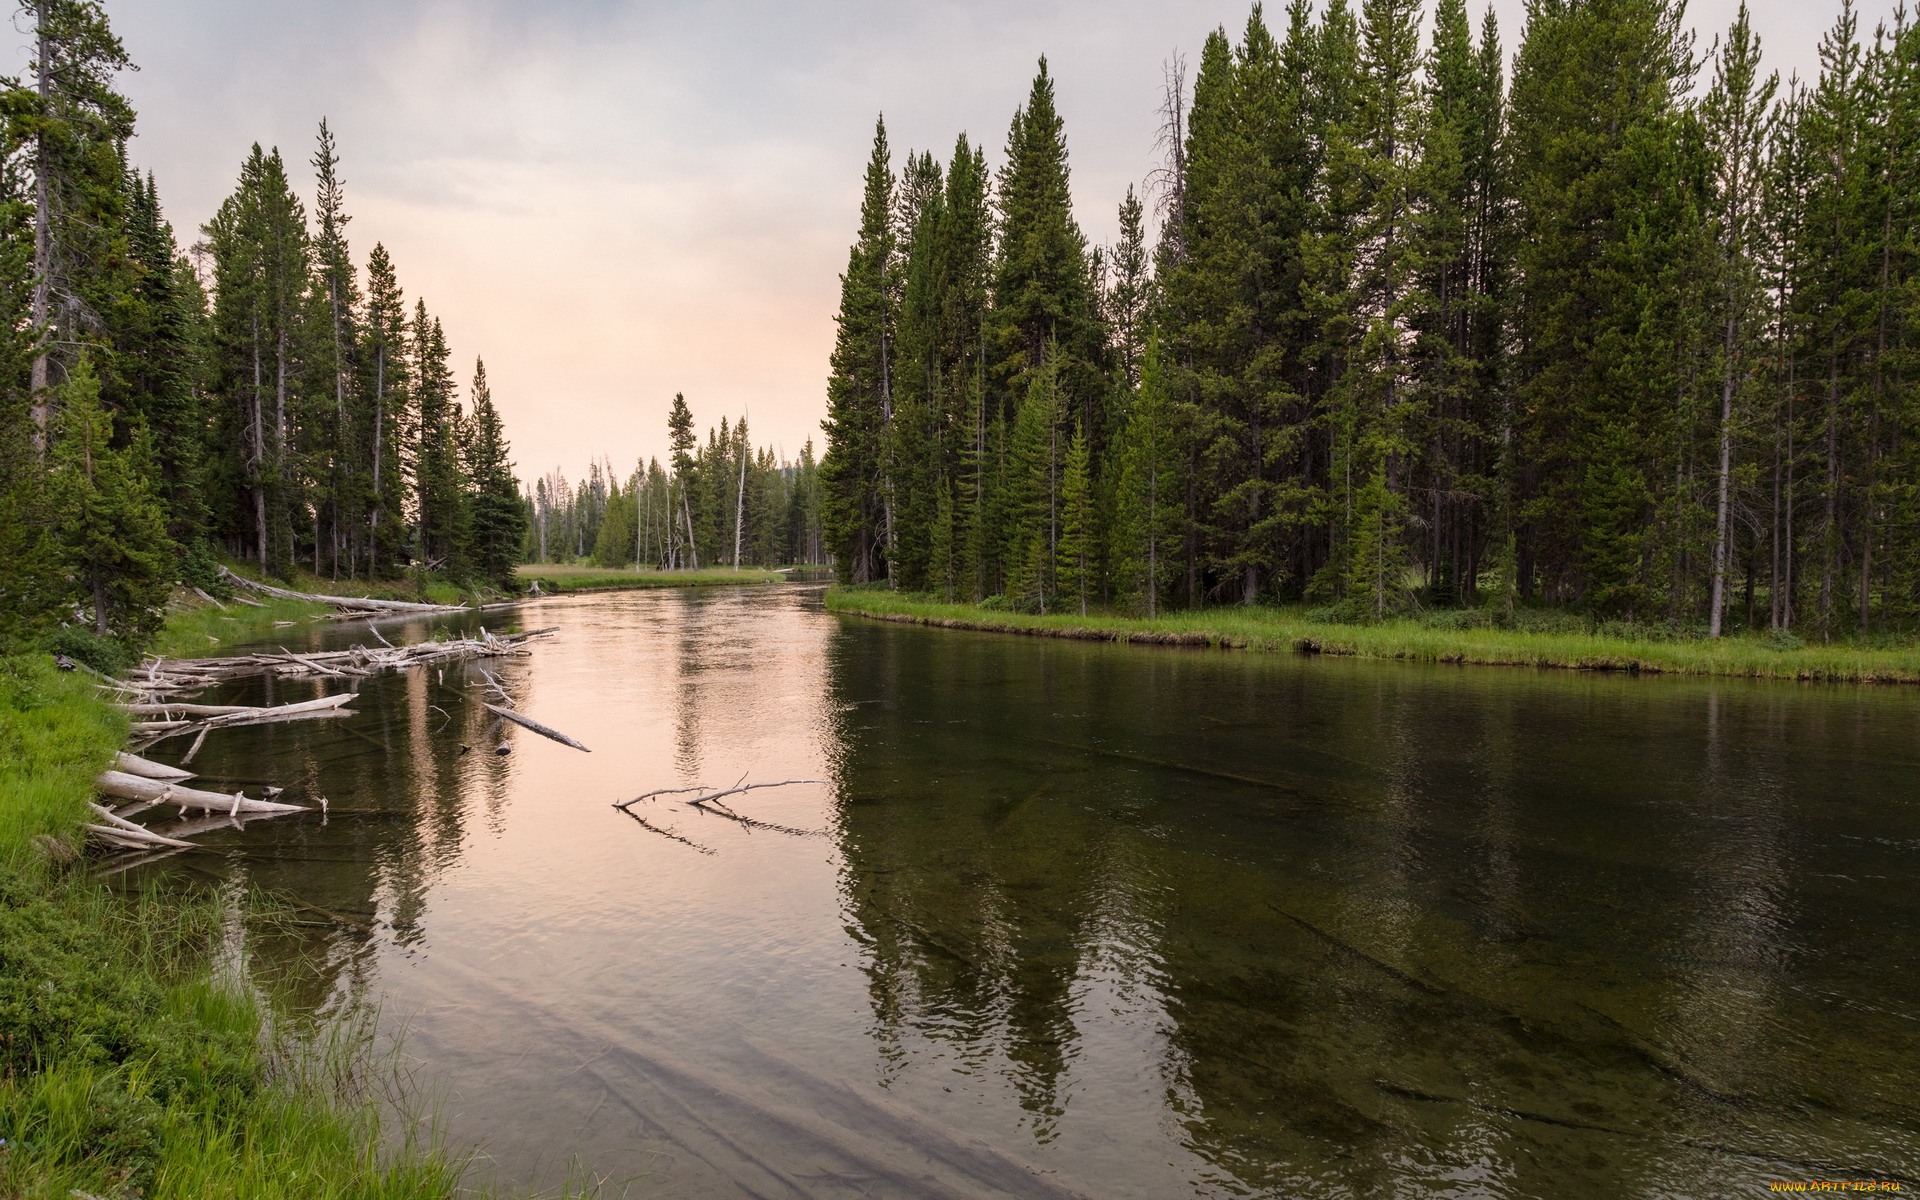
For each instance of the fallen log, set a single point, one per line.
(163, 677)
(359, 603)
(527, 722)
(122, 786)
(326, 706)
(133, 764)
(160, 709)
(121, 828)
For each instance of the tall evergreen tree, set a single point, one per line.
(856, 478)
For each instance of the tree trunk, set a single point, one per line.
(1718, 601)
(740, 504)
(42, 244)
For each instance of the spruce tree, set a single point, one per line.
(497, 516)
(1077, 556)
(112, 529)
(855, 476)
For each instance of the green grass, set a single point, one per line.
(55, 736)
(572, 577)
(1277, 629)
(197, 629)
(132, 1063)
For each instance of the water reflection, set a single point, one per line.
(1081, 920)
(1390, 931)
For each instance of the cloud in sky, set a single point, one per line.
(611, 202)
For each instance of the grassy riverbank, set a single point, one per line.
(128, 1065)
(571, 577)
(1275, 629)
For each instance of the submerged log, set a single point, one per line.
(133, 764)
(122, 786)
(121, 829)
(527, 722)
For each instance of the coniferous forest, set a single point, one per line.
(257, 394)
(261, 394)
(1626, 328)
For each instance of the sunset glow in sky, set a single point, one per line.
(612, 202)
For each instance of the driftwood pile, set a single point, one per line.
(137, 784)
(160, 677)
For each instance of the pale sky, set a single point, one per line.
(611, 202)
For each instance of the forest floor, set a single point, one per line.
(1418, 640)
(132, 1061)
(579, 577)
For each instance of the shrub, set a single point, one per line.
(108, 656)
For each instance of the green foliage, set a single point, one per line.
(1599, 340)
(107, 655)
(112, 530)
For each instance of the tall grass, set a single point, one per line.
(1275, 629)
(134, 1059)
(55, 736)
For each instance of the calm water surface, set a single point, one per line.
(1082, 920)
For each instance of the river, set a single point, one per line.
(1073, 919)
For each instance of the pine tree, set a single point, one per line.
(856, 483)
(1077, 556)
(112, 530)
(1735, 115)
(73, 124)
(331, 346)
(387, 402)
(498, 518)
(439, 486)
(1148, 516)
(1042, 302)
(681, 441)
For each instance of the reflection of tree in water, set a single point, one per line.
(400, 790)
(1392, 928)
(970, 879)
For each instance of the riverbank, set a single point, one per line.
(129, 1065)
(1279, 629)
(569, 577)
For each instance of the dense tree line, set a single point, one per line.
(1629, 333)
(723, 504)
(261, 396)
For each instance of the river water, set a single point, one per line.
(1070, 919)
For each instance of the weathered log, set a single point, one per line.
(133, 764)
(527, 722)
(326, 706)
(123, 828)
(133, 837)
(122, 786)
(184, 709)
(316, 664)
(360, 603)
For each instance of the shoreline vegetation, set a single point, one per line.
(560, 578)
(134, 1060)
(1445, 637)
